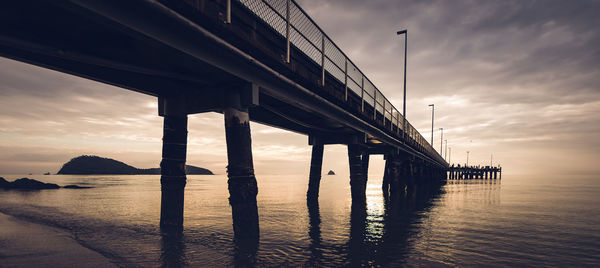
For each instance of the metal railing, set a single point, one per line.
(288, 19)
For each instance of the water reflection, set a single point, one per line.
(314, 232)
(172, 248)
(483, 192)
(245, 252)
(378, 237)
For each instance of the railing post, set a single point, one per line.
(384, 101)
(346, 79)
(287, 31)
(322, 60)
(375, 106)
(228, 17)
(362, 93)
(397, 122)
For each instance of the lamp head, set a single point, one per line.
(401, 32)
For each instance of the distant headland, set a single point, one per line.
(96, 165)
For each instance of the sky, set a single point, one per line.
(519, 80)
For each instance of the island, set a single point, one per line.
(330, 172)
(26, 184)
(96, 165)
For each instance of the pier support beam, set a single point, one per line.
(357, 184)
(240, 169)
(172, 167)
(314, 180)
(365, 167)
(387, 177)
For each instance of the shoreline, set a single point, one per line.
(28, 244)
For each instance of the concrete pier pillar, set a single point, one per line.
(357, 183)
(387, 177)
(240, 169)
(316, 163)
(398, 179)
(365, 166)
(394, 177)
(172, 170)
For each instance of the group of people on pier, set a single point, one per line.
(474, 172)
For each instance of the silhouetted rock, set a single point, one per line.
(95, 165)
(29, 184)
(3, 182)
(331, 172)
(89, 164)
(73, 186)
(193, 170)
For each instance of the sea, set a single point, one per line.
(518, 221)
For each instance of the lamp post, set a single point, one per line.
(467, 158)
(442, 140)
(446, 150)
(405, 32)
(432, 112)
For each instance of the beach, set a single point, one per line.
(26, 244)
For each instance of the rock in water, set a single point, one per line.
(331, 172)
(73, 186)
(29, 184)
(3, 183)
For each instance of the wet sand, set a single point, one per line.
(26, 244)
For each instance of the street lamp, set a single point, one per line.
(432, 111)
(441, 141)
(446, 153)
(404, 95)
(467, 158)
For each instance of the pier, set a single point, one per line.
(252, 61)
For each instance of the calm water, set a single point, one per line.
(545, 221)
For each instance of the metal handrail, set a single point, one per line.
(267, 10)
